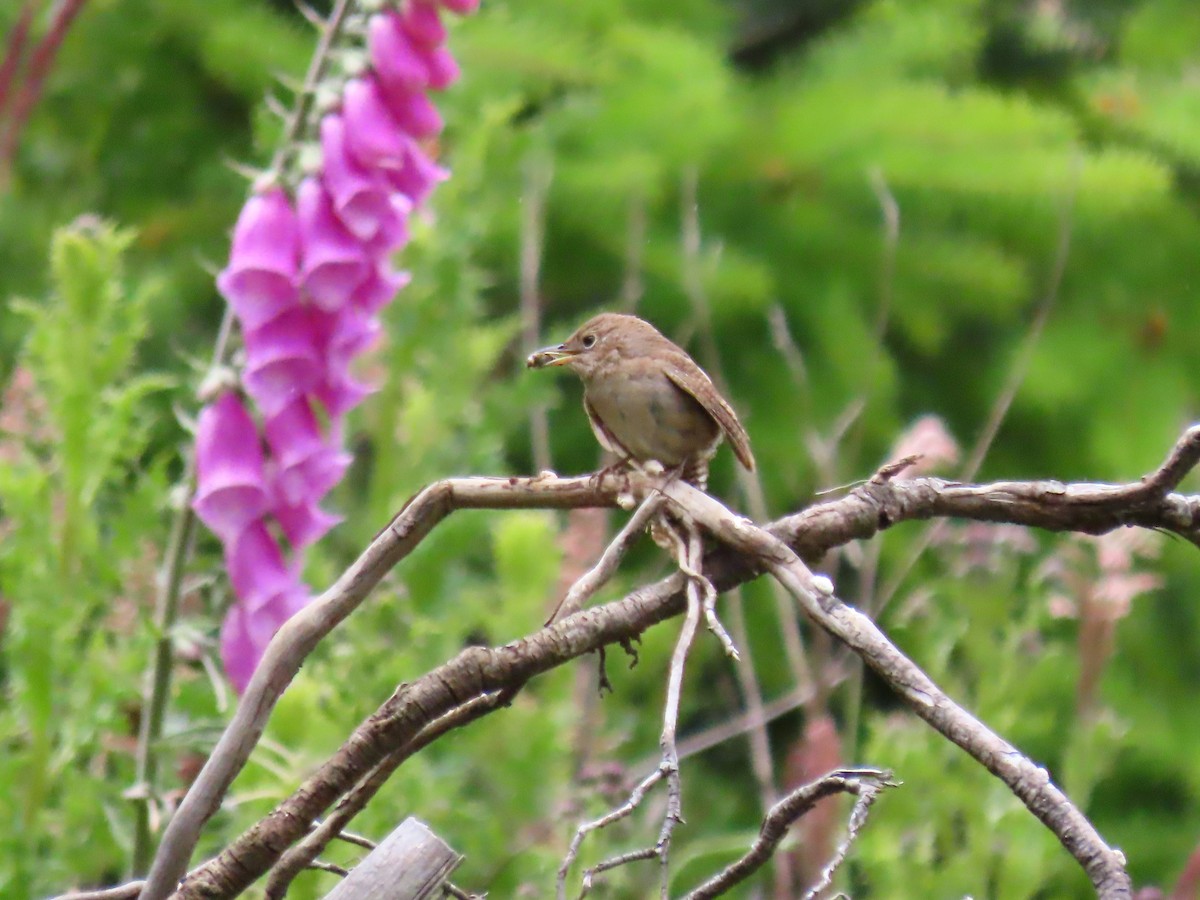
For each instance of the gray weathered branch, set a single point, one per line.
(873, 507)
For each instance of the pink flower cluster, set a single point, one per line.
(307, 276)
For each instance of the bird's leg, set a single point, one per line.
(622, 466)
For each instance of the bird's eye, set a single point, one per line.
(589, 341)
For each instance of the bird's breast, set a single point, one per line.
(652, 418)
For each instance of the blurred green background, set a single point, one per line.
(855, 213)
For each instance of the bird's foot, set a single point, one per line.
(621, 467)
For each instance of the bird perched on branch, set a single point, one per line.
(645, 398)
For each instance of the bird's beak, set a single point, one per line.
(550, 356)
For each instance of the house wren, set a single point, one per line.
(646, 398)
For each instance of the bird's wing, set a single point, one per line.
(603, 435)
(692, 380)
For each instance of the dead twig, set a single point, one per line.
(1030, 783)
(598, 575)
(1090, 508)
(667, 769)
(863, 783)
(303, 854)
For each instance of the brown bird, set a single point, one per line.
(645, 398)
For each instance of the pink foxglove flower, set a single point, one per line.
(260, 280)
(462, 7)
(352, 333)
(334, 260)
(443, 70)
(231, 491)
(340, 392)
(282, 361)
(240, 652)
(246, 632)
(414, 112)
(379, 289)
(417, 176)
(423, 24)
(392, 233)
(307, 278)
(373, 136)
(360, 198)
(257, 569)
(306, 465)
(305, 523)
(399, 64)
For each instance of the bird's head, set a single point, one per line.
(608, 336)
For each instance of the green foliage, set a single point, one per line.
(76, 564)
(1002, 131)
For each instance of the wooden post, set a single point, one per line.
(411, 863)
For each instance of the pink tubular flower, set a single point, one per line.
(246, 632)
(393, 229)
(353, 332)
(443, 70)
(398, 64)
(307, 277)
(334, 261)
(256, 566)
(373, 136)
(360, 198)
(282, 361)
(404, 64)
(305, 523)
(340, 393)
(414, 113)
(422, 23)
(306, 464)
(231, 491)
(268, 593)
(417, 176)
(240, 653)
(462, 7)
(259, 281)
(379, 289)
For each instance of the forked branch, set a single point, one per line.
(863, 783)
(745, 551)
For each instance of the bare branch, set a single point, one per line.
(297, 638)
(41, 61)
(356, 839)
(598, 575)
(636, 796)
(1091, 508)
(1030, 783)
(332, 868)
(751, 721)
(691, 240)
(858, 818)
(632, 284)
(311, 15)
(781, 817)
(129, 891)
(14, 50)
(668, 766)
(302, 855)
